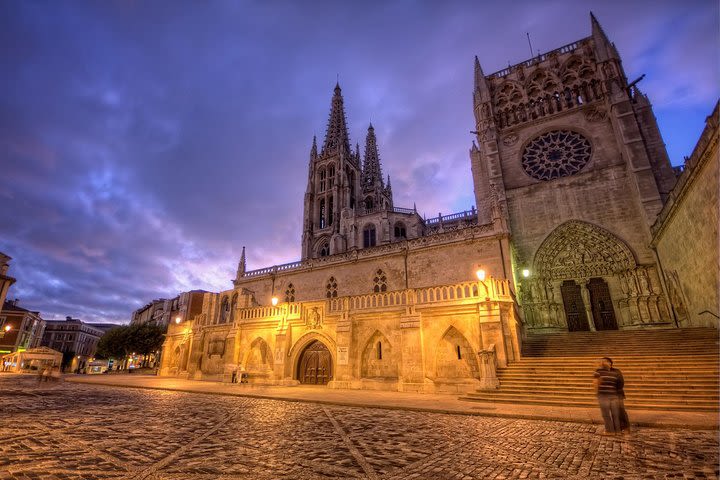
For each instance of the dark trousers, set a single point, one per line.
(610, 408)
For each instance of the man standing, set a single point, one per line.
(609, 386)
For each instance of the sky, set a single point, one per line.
(144, 143)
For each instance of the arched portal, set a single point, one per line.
(378, 358)
(315, 364)
(576, 270)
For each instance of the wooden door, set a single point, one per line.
(574, 306)
(601, 304)
(315, 366)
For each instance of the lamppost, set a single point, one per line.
(480, 272)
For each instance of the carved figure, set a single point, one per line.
(313, 319)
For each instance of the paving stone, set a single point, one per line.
(76, 431)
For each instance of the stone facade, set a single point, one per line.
(72, 336)
(20, 328)
(163, 311)
(577, 163)
(686, 234)
(569, 172)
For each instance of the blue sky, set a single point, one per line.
(142, 144)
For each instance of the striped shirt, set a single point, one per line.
(610, 381)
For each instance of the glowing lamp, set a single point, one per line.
(480, 274)
(525, 273)
(274, 301)
(178, 320)
(8, 328)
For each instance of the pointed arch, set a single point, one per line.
(455, 358)
(259, 358)
(378, 358)
(578, 249)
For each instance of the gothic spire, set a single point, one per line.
(336, 137)
(313, 150)
(603, 46)
(241, 266)
(371, 173)
(482, 90)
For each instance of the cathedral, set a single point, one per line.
(570, 174)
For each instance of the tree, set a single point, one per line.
(114, 344)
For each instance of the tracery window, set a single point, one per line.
(290, 293)
(556, 154)
(323, 180)
(369, 236)
(400, 231)
(322, 219)
(380, 282)
(331, 288)
(330, 210)
(324, 250)
(233, 306)
(330, 176)
(369, 204)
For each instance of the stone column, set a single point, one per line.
(585, 292)
(343, 375)
(412, 366)
(491, 330)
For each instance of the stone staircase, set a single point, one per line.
(669, 369)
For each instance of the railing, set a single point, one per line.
(373, 300)
(404, 210)
(274, 269)
(570, 47)
(289, 310)
(440, 219)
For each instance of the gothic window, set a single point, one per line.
(379, 350)
(331, 288)
(331, 176)
(459, 353)
(330, 210)
(369, 236)
(369, 204)
(400, 230)
(351, 182)
(380, 282)
(324, 250)
(233, 306)
(322, 220)
(323, 180)
(556, 154)
(224, 310)
(290, 294)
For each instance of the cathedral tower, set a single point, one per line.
(572, 153)
(333, 184)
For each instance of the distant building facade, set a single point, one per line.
(163, 311)
(72, 336)
(5, 280)
(569, 172)
(20, 328)
(685, 234)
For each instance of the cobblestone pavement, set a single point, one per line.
(75, 431)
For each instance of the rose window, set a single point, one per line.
(556, 154)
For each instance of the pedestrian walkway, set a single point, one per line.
(402, 401)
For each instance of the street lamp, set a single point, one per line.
(480, 274)
(274, 301)
(178, 320)
(525, 273)
(8, 328)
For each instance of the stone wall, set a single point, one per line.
(425, 339)
(686, 235)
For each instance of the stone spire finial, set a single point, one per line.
(603, 46)
(481, 93)
(241, 265)
(313, 149)
(336, 137)
(372, 172)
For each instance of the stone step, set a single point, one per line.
(708, 386)
(632, 394)
(530, 395)
(593, 403)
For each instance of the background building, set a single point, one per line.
(5, 280)
(163, 311)
(20, 329)
(72, 337)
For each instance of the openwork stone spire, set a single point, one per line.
(241, 266)
(372, 172)
(336, 137)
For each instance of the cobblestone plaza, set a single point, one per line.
(75, 431)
